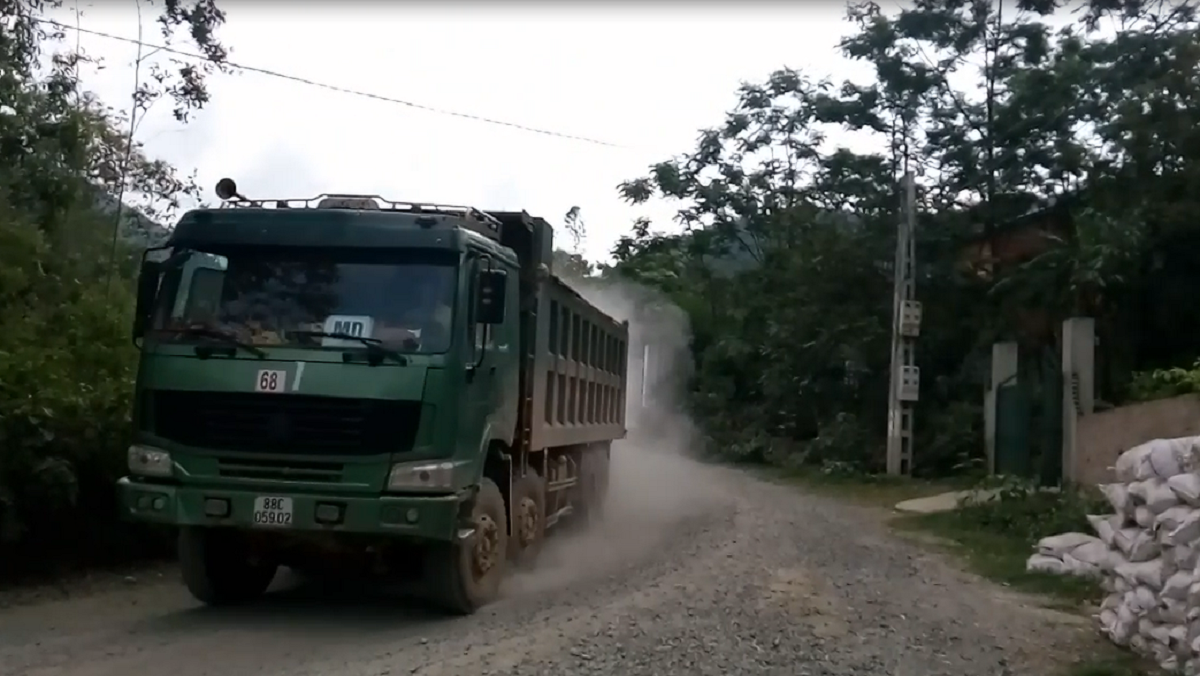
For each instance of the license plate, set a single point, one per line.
(272, 512)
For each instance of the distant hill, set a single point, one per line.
(136, 227)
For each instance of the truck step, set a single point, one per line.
(553, 518)
(555, 486)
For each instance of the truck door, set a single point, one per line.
(481, 362)
(492, 384)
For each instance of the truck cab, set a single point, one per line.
(329, 381)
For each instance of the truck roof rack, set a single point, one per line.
(365, 203)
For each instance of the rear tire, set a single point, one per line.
(529, 520)
(217, 567)
(593, 492)
(466, 573)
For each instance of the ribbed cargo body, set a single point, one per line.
(578, 371)
(574, 357)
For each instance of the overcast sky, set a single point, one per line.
(645, 78)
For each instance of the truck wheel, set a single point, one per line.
(218, 570)
(466, 573)
(529, 519)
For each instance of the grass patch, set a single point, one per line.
(1000, 557)
(997, 536)
(876, 490)
(1113, 662)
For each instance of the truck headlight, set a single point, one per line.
(409, 476)
(148, 461)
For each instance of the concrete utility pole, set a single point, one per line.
(645, 371)
(905, 384)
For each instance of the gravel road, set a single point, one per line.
(708, 571)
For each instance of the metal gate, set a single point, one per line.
(1013, 454)
(1029, 421)
(1050, 429)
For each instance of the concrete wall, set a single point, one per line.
(1103, 436)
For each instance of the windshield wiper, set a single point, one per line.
(375, 349)
(204, 351)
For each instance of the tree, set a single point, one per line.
(571, 265)
(793, 330)
(785, 254)
(66, 364)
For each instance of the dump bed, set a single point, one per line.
(573, 355)
(578, 371)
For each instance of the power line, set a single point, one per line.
(335, 88)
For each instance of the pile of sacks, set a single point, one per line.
(1145, 554)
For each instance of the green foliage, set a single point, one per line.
(572, 265)
(66, 375)
(1018, 508)
(67, 264)
(785, 259)
(1163, 383)
(997, 526)
(1115, 662)
(1001, 558)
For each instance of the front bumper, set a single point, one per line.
(420, 517)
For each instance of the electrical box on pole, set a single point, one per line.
(910, 384)
(905, 385)
(910, 319)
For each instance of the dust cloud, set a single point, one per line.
(654, 485)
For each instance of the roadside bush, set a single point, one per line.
(1164, 383)
(1020, 509)
(66, 283)
(783, 243)
(66, 378)
(950, 441)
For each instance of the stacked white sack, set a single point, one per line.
(1145, 553)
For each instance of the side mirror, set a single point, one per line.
(147, 290)
(489, 304)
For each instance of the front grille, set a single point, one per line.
(284, 423)
(280, 470)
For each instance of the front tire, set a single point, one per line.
(218, 569)
(466, 573)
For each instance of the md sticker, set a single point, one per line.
(349, 326)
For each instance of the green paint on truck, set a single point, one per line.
(357, 385)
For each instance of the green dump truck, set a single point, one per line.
(353, 384)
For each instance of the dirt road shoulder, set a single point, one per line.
(989, 544)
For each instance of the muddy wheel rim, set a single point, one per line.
(528, 521)
(487, 545)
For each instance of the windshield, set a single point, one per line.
(276, 296)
